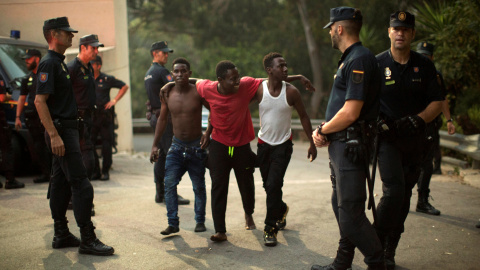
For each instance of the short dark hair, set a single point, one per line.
(222, 68)
(181, 60)
(268, 59)
(47, 36)
(353, 27)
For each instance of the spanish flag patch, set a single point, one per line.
(357, 76)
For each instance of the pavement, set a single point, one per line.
(128, 219)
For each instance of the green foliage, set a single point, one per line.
(474, 115)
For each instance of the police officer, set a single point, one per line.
(348, 131)
(155, 78)
(104, 113)
(81, 74)
(410, 98)
(434, 152)
(6, 148)
(57, 108)
(32, 121)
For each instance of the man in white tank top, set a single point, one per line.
(276, 100)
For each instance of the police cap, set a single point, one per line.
(402, 19)
(31, 52)
(343, 14)
(162, 46)
(60, 23)
(425, 48)
(97, 60)
(91, 40)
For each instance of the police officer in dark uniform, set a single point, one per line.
(27, 93)
(6, 148)
(155, 78)
(81, 74)
(411, 97)
(57, 108)
(348, 132)
(433, 153)
(104, 114)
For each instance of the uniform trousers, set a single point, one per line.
(348, 203)
(273, 161)
(86, 145)
(432, 147)
(163, 145)
(399, 163)
(69, 180)
(221, 160)
(6, 147)
(103, 126)
(36, 130)
(185, 157)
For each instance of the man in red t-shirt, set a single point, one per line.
(230, 145)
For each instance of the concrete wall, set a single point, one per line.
(106, 18)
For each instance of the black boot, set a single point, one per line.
(11, 184)
(91, 244)
(159, 196)
(63, 237)
(424, 206)
(377, 266)
(343, 261)
(391, 244)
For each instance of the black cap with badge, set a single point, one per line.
(30, 53)
(343, 14)
(160, 45)
(425, 48)
(402, 19)
(58, 23)
(91, 40)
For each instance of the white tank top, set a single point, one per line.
(275, 117)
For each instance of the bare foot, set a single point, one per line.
(249, 223)
(218, 237)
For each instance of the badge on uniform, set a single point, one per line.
(43, 77)
(169, 78)
(2, 83)
(82, 69)
(388, 73)
(415, 69)
(341, 66)
(30, 79)
(357, 76)
(63, 67)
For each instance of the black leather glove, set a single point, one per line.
(355, 150)
(410, 125)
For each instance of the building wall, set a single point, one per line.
(106, 18)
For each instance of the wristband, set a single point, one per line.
(450, 120)
(320, 129)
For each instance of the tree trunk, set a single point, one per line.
(313, 51)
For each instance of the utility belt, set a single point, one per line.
(362, 130)
(65, 123)
(84, 114)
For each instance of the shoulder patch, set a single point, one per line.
(357, 76)
(169, 78)
(43, 77)
(2, 83)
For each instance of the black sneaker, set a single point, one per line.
(200, 227)
(270, 237)
(170, 230)
(283, 222)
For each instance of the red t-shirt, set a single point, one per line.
(229, 114)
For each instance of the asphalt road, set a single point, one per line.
(128, 219)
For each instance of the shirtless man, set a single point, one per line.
(187, 150)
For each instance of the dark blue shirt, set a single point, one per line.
(157, 76)
(357, 78)
(407, 89)
(103, 84)
(29, 89)
(83, 82)
(54, 80)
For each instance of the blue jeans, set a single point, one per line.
(183, 157)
